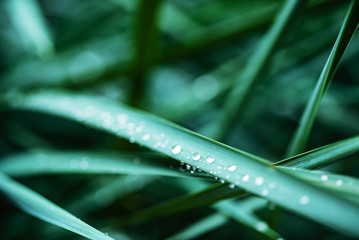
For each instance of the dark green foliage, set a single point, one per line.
(109, 111)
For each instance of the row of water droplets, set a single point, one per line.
(137, 132)
(244, 178)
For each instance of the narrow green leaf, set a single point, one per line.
(206, 197)
(54, 162)
(243, 213)
(249, 172)
(29, 22)
(256, 65)
(146, 42)
(38, 206)
(322, 156)
(350, 24)
(343, 185)
(200, 227)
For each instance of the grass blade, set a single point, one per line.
(300, 138)
(38, 206)
(342, 185)
(247, 171)
(322, 156)
(203, 226)
(257, 63)
(201, 198)
(53, 162)
(29, 22)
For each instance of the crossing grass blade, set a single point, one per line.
(322, 156)
(38, 206)
(246, 82)
(301, 135)
(247, 171)
(205, 225)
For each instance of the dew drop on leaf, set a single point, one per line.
(264, 192)
(210, 159)
(176, 149)
(196, 156)
(339, 182)
(146, 137)
(245, 178)
(261, 226)
(232, 168)
(259, 181)
(304, 200)
(324, 177)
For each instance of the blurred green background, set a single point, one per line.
(177, 59)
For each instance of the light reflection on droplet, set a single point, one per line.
(196, 156)
(259, 181)
(232, 168)
(339, 182)
(304, 200)
(176, 149)
(265, 192)
(210, 159)
(146, 137)
(245, 178)
(261, 226)
(324, 177)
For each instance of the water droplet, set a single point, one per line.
(324, 177)
(259, 181)
(304, 200)
(231, 186)
(122, 119)
(176, 149)
(84, 163)
(339, 182)
(221, 181)
(210, 159)
(245, 178)
(146, 137)
(138, 130)
(188, 167)
(196, 156)
(232, 168)
(132, 140)
(265, 192)
(261, 226)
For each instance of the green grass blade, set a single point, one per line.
(249, 172)
(54, 162)
(256, 65)
(197, 229)
(146, 42)
(342, 185)
(38, 206)
(350, 24)
(242, 213)
(322, 156)
(29, 22)
(205, 197)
